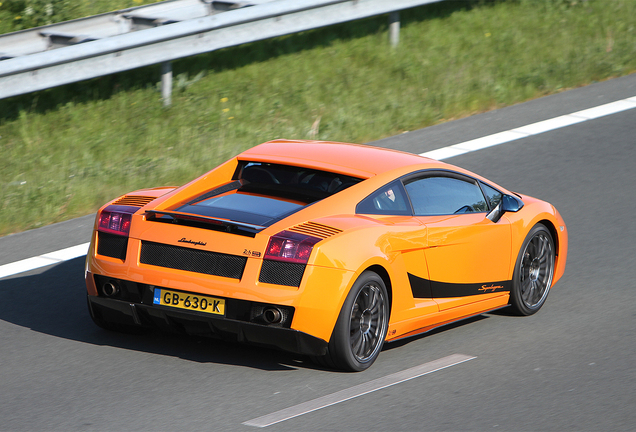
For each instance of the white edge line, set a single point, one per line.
(45, 260)
(532, 129)
(607, 109)
(438, 154)
(550, 124)
(357, 391)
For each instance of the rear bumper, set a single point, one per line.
(168, 319)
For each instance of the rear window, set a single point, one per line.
(243, 207)
(291, 182)
(263, 193)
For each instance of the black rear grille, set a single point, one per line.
(281, 273)
(192, 260)
(112, 245)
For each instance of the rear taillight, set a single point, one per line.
(114, 222)
(290, 247)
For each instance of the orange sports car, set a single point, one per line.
(321, 248)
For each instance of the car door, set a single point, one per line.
(407, 238)
(468, 255)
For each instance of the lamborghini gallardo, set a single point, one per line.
(324, 249)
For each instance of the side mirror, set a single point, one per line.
(511, 203)
(508, 203)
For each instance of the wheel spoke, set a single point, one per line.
(542, 244)
(373, 298)
(371, 343)
(540, 288)
(374, 308)
(357, 348)
(355, 331)
(527, 297)
(525, 284)
(364, 346)
(538, 293)
(356, 343)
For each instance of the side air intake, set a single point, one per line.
(316, 230)
(134, 200)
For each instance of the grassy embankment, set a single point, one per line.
(65, 151)
(22, 14)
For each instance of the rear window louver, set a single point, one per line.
(316, 230)
(134, 200)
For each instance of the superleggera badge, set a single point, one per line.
(192, 242)
(491, 288)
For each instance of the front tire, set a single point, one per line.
(534, 271)
(361, 328)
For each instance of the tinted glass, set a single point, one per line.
(244, 208)
(255, 204)
(445, 195)
(388, 200)
(262, 193)
(291, 182)
(493, 195)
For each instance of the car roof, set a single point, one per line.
(352, 159)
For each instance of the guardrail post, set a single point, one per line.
(394, 28)
(166, 83)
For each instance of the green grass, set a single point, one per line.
(22, 14)
(66, 151)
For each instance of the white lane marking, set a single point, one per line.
(359, 390)
(550, 124)
(43, 260)
(439, 154)
(607, 109)
(532, 129)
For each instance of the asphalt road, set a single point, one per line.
(572, 366)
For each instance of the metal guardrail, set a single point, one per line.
(114, 23)
(105, 44)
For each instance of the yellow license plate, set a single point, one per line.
(193, 302)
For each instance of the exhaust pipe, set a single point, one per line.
(110, 289)
(272, 315)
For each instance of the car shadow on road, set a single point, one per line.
(54, 303)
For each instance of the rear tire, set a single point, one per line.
(361, 328)
(533, 273)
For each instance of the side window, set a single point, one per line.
(493, 195)
(439, 195)
(388, 200)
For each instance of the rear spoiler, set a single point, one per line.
(177, 217)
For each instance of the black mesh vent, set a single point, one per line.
(180, 258)
(112, 245)
(281, 273)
